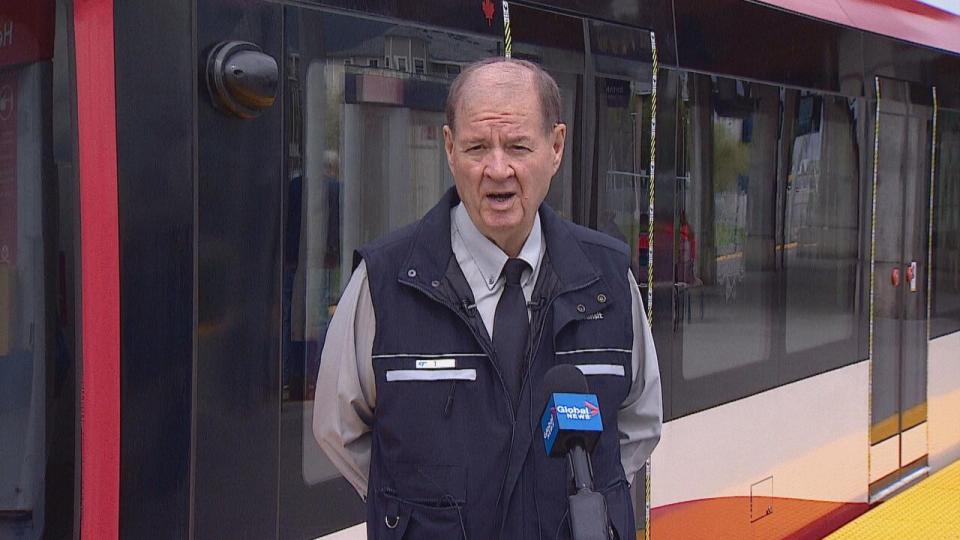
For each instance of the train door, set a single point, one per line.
(898, 434)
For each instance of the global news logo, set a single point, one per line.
(588, 411)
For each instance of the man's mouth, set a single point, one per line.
(501, 197)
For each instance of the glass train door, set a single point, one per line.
(898, 434)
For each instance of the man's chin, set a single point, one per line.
(500, 231)
(501, 225)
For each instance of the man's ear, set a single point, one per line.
(448, 145)
(559, 137)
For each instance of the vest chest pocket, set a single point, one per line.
(425, 502)
(608, 372)
(432, 385)
(609, 369)
(602, 369)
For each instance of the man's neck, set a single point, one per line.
(511, 245)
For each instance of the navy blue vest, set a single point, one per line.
(451, 456)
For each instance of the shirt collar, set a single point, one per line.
(488, 257)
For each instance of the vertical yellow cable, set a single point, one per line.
(651, 177)
(873, 262)
(507, 38)
(873, 218)
(652, 184)
(933, 174)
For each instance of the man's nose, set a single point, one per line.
(498, 165)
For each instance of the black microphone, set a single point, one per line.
(571, 425)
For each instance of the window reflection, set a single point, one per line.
(724, 237)
(821, 220)
(945, 310)
(37, 268)
(623, 154)
(370, 97)
(766, 235)
(364, 113)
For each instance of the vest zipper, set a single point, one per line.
(533, 355)
(461, 311)
(533, 349)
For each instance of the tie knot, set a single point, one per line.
(513, 269)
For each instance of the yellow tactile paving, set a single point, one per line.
(929, 510)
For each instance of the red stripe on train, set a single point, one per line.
(99, 259)
(934, 23)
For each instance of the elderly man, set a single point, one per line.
(431, 379)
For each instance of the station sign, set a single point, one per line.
(26, 32)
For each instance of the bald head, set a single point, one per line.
(508, 73)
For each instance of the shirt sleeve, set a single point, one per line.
(346, 389)
(640, 417)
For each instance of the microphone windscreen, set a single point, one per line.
(564, 378)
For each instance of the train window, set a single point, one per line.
(38, 265)
(365, 102)
(623, 161)
(819, 248)
(724, 233)
(945, 306)
(624, 101)
(365, 157)
(555, 42)
(767, 238)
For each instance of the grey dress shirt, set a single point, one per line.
(346, 393)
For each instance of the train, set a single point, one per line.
(183, 184)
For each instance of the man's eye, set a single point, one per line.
(474, 148)
(521, 148)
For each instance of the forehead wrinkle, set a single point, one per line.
(504, 109)
(500, 118)
(495, 132)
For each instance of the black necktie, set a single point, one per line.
(511, 327)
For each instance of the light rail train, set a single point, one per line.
(183, 184)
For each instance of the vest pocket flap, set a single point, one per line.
(422, 501)
(430, 485)
(620, 509)
(411, 521)
(602, 369)
(431, 375)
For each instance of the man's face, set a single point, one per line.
(501, 154)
